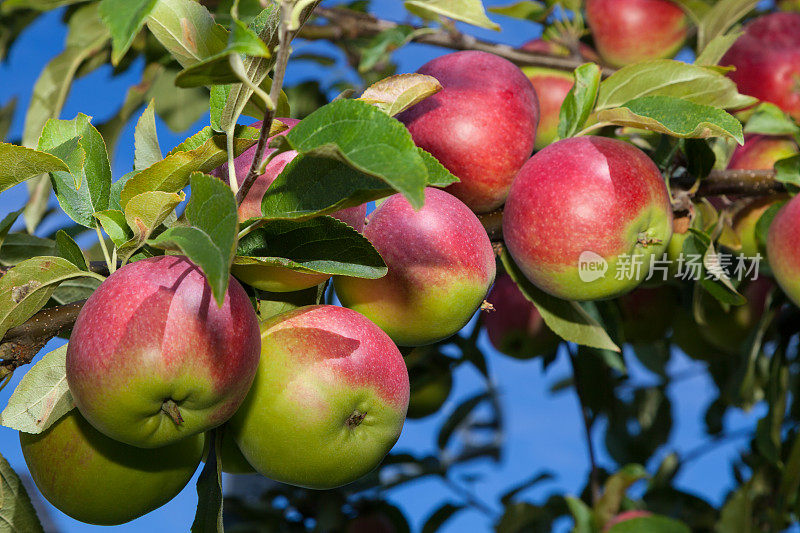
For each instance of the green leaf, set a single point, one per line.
(788, 170)
(87, 34)
(26, 288)
(124, 19)
(696, 9)
(147, 152)
(715, 49)
(7, 111)
(366, 139)
(667, 77)
(615, 489)
(580, 99)
(769, 119)
(85, 188)
(187, 30)
(202, 152)
(765, 220)
(20, 246)
(76, 289)
(211, 239)
(216, 69)
(40, 5)
(676, 117)
(208, 518)
(438, 175)
(397, 93)
(525, 10)
(469, 11)
(437, 519)
(42, 396)
(379, 48)
(567, 319)
(582, 514)
(7, 223)
(651, 524)
(67, 248)
(700, 244)
(178, 108)
(143, 214)
(720, 18)
(116, 227)
(321, 245)
(18, 164)
(16, 509)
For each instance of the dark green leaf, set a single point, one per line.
(582, 514)
(209, 241)
(16, 511)
(458, 416)
(441, 515)
(579, 103)
(7, 223)
(438, 176)
(124, 19)
(765, 220)
(509, 496)
(20, 246)
(788, 170)
(208, 518)
(7, 111)
(651, 524)
(68, 249)
(615, 489)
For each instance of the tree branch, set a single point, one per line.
(348, 24)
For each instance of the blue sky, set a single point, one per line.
(543, 431)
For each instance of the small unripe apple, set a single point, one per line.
(647, 313)
(268, 277)
(629, 31)
(515, 326)
(552, 86)
(481, 125)
(328, 401)
(783, 251)
(702, 216)
(767, 61)
(583, 213)
(431, 382)
(152, 359)
(441, 265)
(97, 480)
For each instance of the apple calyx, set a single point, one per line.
(646, 239)
(171, 409)
(355, 419)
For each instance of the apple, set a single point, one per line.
(647, 313)
(552, 86)
(97, 480)
(583, 210)
(702, 216)
(783, 252)
(269, 277)
(152, 359)
(481, 126)
(441, 265)
(767, 61)
(624, 517)
(431, 382)
(515, 326)
(762, 152)
(629, 31)
(328, 401)
(728, 329)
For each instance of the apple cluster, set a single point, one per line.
(317, 396)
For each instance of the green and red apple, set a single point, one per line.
(629, 31)
(152, 359)
(328, 401)
(783, 251)
(585, 217)
(441, 265)
(481, 126)
(98, 480)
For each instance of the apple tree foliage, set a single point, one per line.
(222, 56)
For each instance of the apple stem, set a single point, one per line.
(171, 409)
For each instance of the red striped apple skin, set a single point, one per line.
(581, 195)
(629, 31)
(783, 249)
(329, 399)
(152, 332)
(767, 61)
(481, 126)
(441, 265)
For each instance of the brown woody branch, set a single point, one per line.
(349, 24)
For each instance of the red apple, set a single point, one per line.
(515, 327)
(328, 402)
(629, 31)
(783, 251)
(481, 125)
(441, 265)
(624, 517)
(152, 359)
(761, 152)
(552, 86)
(767, 61)
(583, 213)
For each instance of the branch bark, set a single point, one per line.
(349, 24)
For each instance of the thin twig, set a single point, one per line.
(469, 497)
(594, 482)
